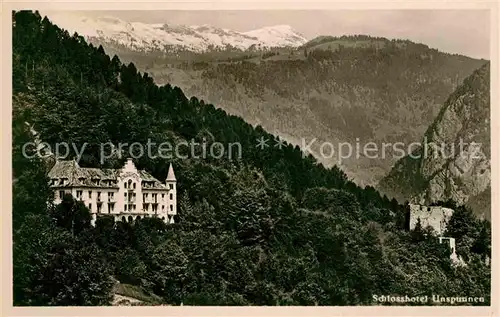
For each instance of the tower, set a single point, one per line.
(171, 183)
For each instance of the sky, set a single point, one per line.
(464, 32)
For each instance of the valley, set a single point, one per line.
(395, 89)
(273, 227)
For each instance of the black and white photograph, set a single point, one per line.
(251, 157)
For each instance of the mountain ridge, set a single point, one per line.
(333, 81)
(161, 36)
(327, 93)
(273, 228)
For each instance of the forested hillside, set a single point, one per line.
(324, 90)
(271, 228)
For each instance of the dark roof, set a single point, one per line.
(145, 176)
(84, 176)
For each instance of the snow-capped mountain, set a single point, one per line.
(149, 37)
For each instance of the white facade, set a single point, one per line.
(126, 194)
(455, 259)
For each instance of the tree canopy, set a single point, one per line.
(270, 228)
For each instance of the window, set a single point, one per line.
(125, 195)
(171, 207)
(90, 207)
(171, 186)
(125, 207)
(134, 185)
(79, 194)
(98, 209)
(90, 194)
(162, 196)
(98, 195)
(110, 208)
(171, 196)
(162, 207)
(61, 194)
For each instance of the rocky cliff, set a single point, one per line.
(324, 94)
(395, 89)
(453, 159)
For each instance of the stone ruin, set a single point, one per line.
(435, 217)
